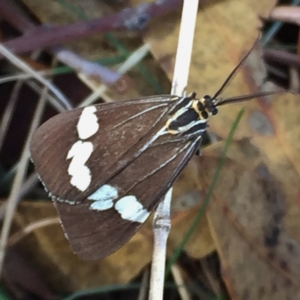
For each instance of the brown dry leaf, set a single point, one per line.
(201, 242)
(255, 217)
(51, 251)
(257, 220)
(225, 30)
(186, 202)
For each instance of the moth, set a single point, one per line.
(107, 166)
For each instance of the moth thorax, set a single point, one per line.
(188, 122)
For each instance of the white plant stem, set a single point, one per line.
(161, 222)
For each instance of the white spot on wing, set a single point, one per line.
(103, 197)
(88, 123)
(102, 205)
(104, 192)
(132, 210)
(81, 175)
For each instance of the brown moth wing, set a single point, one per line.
(97, 234)
(53, 140)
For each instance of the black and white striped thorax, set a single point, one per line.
(191, 115)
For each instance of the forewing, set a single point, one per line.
(94, 234)
(105, 133)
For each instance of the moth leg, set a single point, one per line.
(198, 151)
(192, 95)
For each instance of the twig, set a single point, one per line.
(22, 168)
(128, 19)
(281, 56)
(26, 68)
(274, 28)
(132, 60)
(8, 113)
(294, 83)
(16, 237)
(51, 100)
(161, 230)
(26, 186)
(178, 278)
(7, 116)
(161, 222)
(12, 13)
(144, 285)
(91, 69)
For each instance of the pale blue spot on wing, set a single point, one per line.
(130, 209)
(103, 197)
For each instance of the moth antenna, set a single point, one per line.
(250, 96)
(234, 71)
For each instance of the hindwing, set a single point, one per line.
(94, 233)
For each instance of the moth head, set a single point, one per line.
(206, 107)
